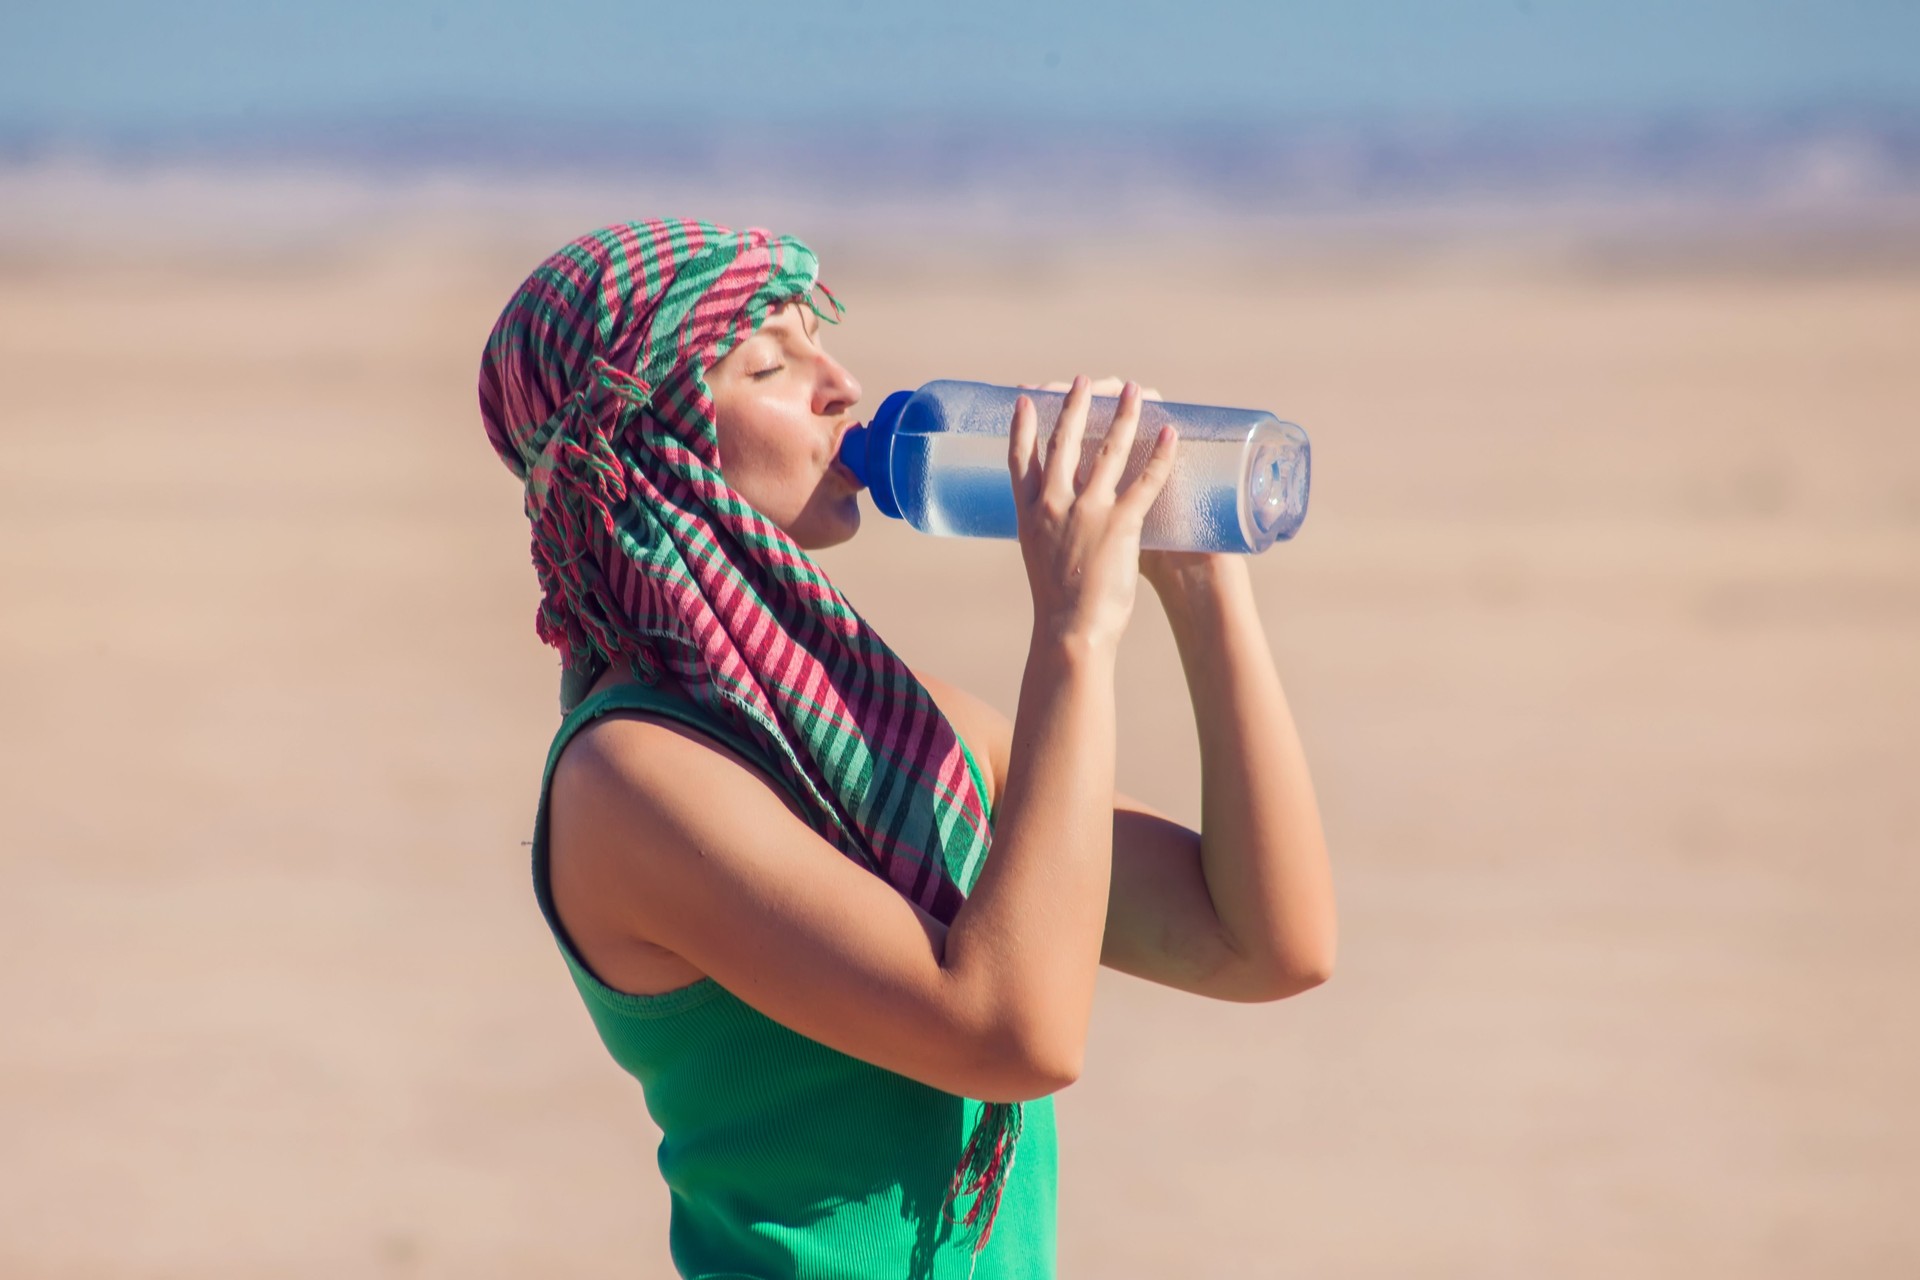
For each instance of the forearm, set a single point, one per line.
(1027, 942)
(1262, 849)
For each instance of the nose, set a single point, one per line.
(839, 390)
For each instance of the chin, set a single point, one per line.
(829, 528)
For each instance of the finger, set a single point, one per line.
(1020, 445)
(1117, 448)
(1151, 393)
(1146, 486)
(1108, 386)
(1063, 447)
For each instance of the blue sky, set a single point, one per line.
(79, 66)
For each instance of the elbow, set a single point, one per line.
(1051, 1074)
(1299, 961)
(1286, 973)
(1043, 1070)
(1027, 1084)
(1305, 976)
(1014, 1046)
(1299, 972)
(1025, 1068)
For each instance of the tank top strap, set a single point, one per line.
(664, 698)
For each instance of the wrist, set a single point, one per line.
(1203, 582)
(1064, 656)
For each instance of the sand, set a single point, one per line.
(1603, 634)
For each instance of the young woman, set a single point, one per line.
(840, 918)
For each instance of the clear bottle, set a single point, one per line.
(937, 458)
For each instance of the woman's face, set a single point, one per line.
(781, 405)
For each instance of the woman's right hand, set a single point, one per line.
(1082, 544)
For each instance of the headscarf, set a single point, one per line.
(593, 390)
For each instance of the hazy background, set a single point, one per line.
(1602, 632)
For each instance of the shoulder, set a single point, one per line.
(630, 764)
(646, 814)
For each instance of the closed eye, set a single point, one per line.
(764, 372)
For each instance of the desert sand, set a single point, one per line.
(1603, 634)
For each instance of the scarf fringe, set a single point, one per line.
(985, 1166)
(574, 486)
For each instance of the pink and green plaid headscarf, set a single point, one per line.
(593, 389)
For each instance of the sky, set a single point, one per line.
(76, 68)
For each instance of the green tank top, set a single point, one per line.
(786, 1159)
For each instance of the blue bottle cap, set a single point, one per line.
(868, 451)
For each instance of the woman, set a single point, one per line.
(762, 842)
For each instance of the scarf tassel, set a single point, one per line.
(573, 488)
(985, 1166)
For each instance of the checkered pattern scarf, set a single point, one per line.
(593, 391)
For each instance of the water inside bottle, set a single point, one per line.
(961, 482)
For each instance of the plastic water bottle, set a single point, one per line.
(937, 458)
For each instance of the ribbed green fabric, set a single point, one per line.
(787, 1159)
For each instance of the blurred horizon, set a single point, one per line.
(1846, 178)
(871, 119)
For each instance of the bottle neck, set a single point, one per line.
(867, 451)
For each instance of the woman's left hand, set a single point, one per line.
(1165, 571)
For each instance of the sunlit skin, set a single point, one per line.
(781, 404)
(1243, 913)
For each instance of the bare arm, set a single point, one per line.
(1244, 909)
(719, 870)
(1031, 930)
(1262, 849)
(705, 858)
(1161, 922)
